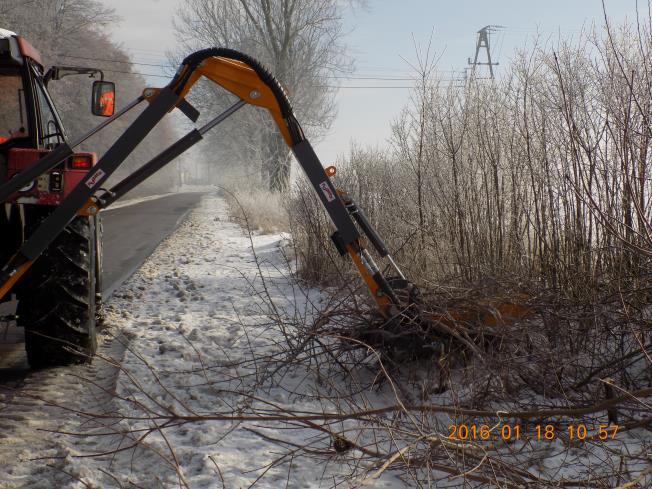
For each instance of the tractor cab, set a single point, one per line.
(20, 65)
(30, 125)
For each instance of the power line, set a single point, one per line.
(315, 86)
(361, 66)
(145, 50)
(342, 77)
(336, 77)
(114, 61)
(382, 78)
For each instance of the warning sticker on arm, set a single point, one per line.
(327, 191)
(97, 176)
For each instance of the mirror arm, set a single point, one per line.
(59, 72)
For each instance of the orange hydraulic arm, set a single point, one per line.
(252, 84)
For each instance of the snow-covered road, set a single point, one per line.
(188, 335)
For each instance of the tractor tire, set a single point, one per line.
(57, 298)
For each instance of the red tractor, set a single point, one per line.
(59, 297)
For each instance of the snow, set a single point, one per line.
(194, 316)
(192, 334)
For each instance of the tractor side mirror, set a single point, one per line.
(103, 103)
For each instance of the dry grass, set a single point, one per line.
(265, 210)
(251, 205)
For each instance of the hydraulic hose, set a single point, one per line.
(195, 59)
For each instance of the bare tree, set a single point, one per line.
(299, 40)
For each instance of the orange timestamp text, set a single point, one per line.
(541, 432)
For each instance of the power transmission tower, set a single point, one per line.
(483, 42)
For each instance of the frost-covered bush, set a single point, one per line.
(541, 175)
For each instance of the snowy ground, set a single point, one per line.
(192, 336)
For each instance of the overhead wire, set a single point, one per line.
(114, 61)
(401, 74)
(342, 77)
(316, 86)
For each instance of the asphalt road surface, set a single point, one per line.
(131, 234)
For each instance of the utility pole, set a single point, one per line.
(483, 42)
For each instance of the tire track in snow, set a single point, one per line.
(197, 328)
(46, 440)
(32, 453)
(37, 407)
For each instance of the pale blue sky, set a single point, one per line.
(380, 36)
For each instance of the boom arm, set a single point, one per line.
(248, 80)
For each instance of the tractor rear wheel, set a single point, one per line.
(57, 297)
